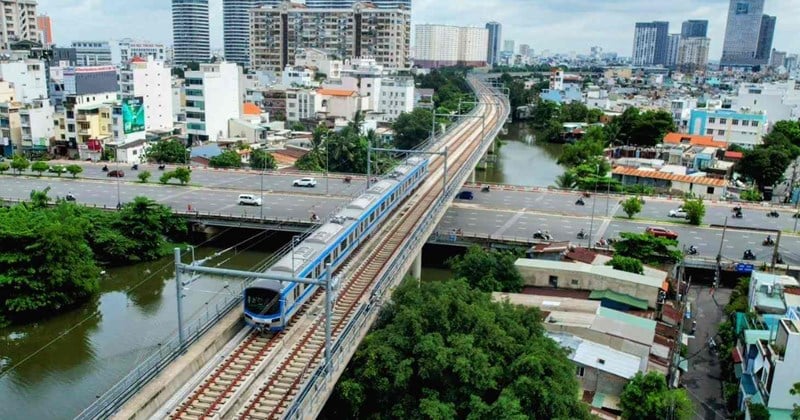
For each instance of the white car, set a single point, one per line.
(248, 200)
(679, 212)
(305, 182)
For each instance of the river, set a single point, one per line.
(54, 368)
(522, 161)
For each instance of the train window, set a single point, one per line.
(262, 301)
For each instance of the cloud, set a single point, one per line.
(563, 25)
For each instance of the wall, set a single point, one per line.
(153, 82)
(28, 78)
(599, 381)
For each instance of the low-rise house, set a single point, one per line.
(701, 186)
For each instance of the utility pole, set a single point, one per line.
(775, 251)
(719, 254)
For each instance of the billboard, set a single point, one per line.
(133, 115)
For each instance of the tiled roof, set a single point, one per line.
(733, 155)
(582, 255)
(694, 140)
(336, 92)
(699, 180)
(251, 109)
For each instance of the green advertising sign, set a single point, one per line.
(133, 115)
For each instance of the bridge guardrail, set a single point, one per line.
(311, 392)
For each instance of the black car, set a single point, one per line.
(465, 195)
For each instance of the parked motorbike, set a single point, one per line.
(773, 213)
(347, 179)
(543, 236)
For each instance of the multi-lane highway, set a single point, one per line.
(499, 213)
(515, 214)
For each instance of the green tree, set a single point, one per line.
(488, 270)
(39, 166)
(183, 175)
(651, 127)
(647, 397)
(144, 176)
(567, 180)
(590, 146)
(764, 165)
(298, 126)
(443, 350)
(226, 159)
(758, 411)
(262, 160)
(74, 170)
(166, 176)
(738, 301)
(412, 128)
(648, 249)
(544, 113)
(19, 164)
(167, 151)
(150, 223)
(573, 112)
(40, 199)
(695, 211)
(796, 409)
(59, 169)
(4, 167)
(631, 265)
(632, 206)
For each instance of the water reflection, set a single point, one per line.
(522, 161)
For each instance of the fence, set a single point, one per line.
(316, 389)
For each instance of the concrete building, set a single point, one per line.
(321, 61)
(778, 100)
(236, 28)
(36, 126)
(693, 54)
(396, 97)
(45, 26)
(18, 22)
(190, 31)
(525, 50)
(743, 128)
(364, 30)
(579, 276)
(334, 4)
(27, 77)
(124, 50)
(650, 43)
(673, 44)
(777, 59)
(445, 46)
(212, 99)
(336, 103)
(302, 104)
(694, 29)
(508, 46)
(297, 76)
(150, 80)
(92, 53)
(495, 35)
(90, 80)
(744, 32)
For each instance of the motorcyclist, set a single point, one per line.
(581, 234)
(538, 234)
(692, 249)
(768, 241)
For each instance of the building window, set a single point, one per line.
(710, 190)
(712, 120)
(574, 282)
(553, 281)
(721, 132)
(710, 131)
(579, 371)
(754, 123)
(723, 120)
(735, 122)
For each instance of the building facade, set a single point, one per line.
(495, 35)
(765, 36)
(396, 97)
(335, 4)
(742, 33)
(46, 29)
(742, 128)
(190, 31)
(694, 29)
(672, 50)
(444, 46)
(18, 22)
(650, 43)
(212, 98)
(278, 33)
(693, 54)
(150, 80)
(27, 77)
(236, 28)
(92, 53)
(124, 50)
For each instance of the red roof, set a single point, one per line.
(582, 255)
(694, 140)
(251, 109)
(336, 92)
(733, 155)
(699, 180)
(137, 59)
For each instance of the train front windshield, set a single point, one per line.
(262, 302)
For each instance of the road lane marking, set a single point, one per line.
(509, 223)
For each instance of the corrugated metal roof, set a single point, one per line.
(694, 140)
(606, 359)
(595, 270)
(549, 303)
(623, 298)
(699, 180)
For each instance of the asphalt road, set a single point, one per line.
(284, 206)
(233, 179)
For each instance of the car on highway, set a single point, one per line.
(465, 195)
(116, 174)
(57, 169)
(248, 200)
(661, 232)
(305, 182)
(679, 213)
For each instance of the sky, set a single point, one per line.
(558, 26)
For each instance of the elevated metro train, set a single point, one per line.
(271, 304)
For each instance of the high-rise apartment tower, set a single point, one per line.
(495, 35)
(190, 32)
(236, 27)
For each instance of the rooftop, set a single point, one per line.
(336, 92)
(606, 359)
(699, 180)
(623, 298)
(594, 270)
(694, 140)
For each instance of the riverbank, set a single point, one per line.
(520, 160)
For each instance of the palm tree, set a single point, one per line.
(567, 180)
(40, 199)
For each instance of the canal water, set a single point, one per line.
(55, 368)
(522, 161)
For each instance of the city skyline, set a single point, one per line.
(541, 27)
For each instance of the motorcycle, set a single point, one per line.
(692, 250)
(135, 167)
(347, 179)
(161, 167)
(748, 255)
(485, 188)
(773, 213)
(738, 215)
(70, 197)
(543, 236)
(580, 202)
(582, 235)
(587, 195)
(768, 242)
(105, 168)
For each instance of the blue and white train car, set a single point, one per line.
(271, 304)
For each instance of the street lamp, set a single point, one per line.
(116, 159)
(261, 206)
(327, 163)
(295, 239)
(594, 201)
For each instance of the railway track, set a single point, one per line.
(290, 364)
(273, 398)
